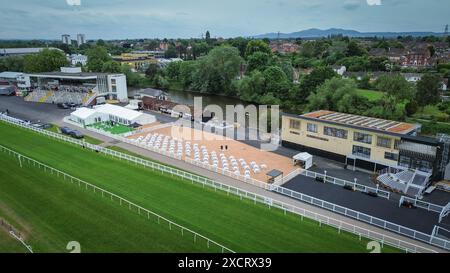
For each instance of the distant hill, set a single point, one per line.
(319, 33)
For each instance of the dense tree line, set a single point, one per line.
(248, 69)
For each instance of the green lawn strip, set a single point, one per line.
(370, 94)
(239, 225)
(116, 129)
(58, 212)
(54, 129)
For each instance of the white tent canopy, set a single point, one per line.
(108, 112)
(304, 159)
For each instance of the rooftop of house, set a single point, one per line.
(33, 50)
(361, 122)
(153, 92)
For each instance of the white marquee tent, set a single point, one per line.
(109, 112)
(303, 159)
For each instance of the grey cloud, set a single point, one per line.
(180, 18)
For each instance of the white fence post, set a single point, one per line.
(198, 179)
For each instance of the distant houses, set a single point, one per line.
(373, 76)
(284, 47)
(416, 55)
(395, 55)
(78, 59)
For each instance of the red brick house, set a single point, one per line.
(284, 47)
(417, 58)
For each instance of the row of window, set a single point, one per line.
(119, 120)
(335, 132)
(365, 152)
(341, 133)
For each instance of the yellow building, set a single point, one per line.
(137, 61)
(358, 141)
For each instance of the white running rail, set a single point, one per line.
(74, 180)
(340, 225)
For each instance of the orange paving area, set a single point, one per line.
(149, 126)
(239, 150)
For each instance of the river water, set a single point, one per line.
(187, 98)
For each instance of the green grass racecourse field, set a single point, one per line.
(51, 212)
(237, 224)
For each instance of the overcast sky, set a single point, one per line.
(109, 19)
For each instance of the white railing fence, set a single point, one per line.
(289, 177)
(228, 173)
(445, 212)
(15, 234)
(343, 183)
(430, 239)
(421, 204)
(441, 232)
(106, 194)
(263, 199)
(20, 239)
(321, 219)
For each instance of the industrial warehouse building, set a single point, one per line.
(108, 112)
(366, 143)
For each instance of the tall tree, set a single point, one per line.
(217, 70)
(428, 89)
(338, 95)
(257, 46)
(396, 87)
(15, 63)
(241, 44)
(171, 52)
(97, 57)
(111, 67)
(199, 49)
(276, 82)
(353, 49)
(258, 61)
(309, 83)
(208, 37)
(252, 87)
(45, 61)
(152, 71)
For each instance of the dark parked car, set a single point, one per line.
(76, 134)
(42, 125)
(63, 106)
(66, 130)
(46, 126)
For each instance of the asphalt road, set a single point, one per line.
(33, 111)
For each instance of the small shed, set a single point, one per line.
(304, 160)
(274, 176)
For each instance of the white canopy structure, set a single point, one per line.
(109, 112)
(303, 159)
